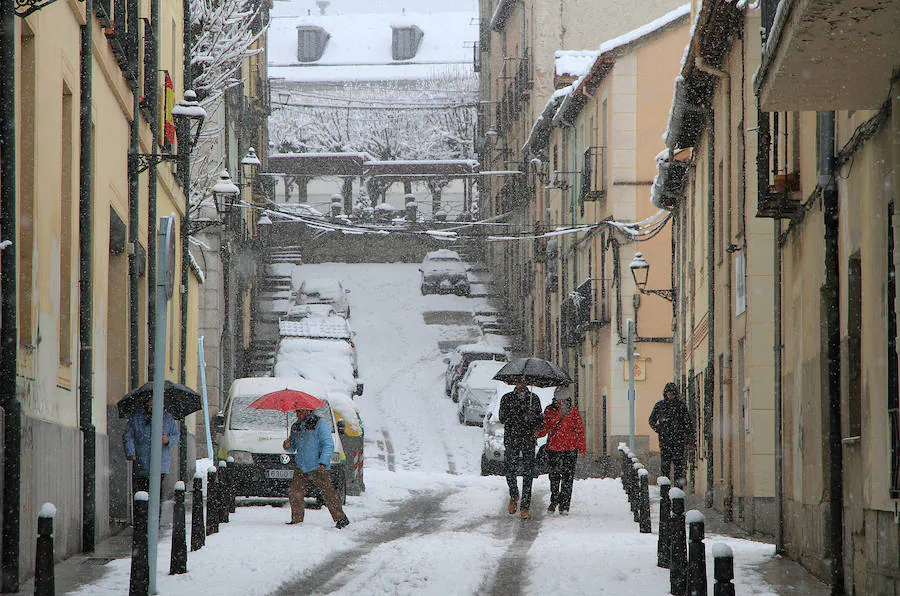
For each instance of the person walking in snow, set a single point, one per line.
(310, 441)
(564, 429)
(672, 421)
(136, 441)
(520, 414)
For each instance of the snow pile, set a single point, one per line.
(574, 63)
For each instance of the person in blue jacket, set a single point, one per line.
(137, 445)
(310, 441)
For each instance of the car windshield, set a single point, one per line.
(243, 417)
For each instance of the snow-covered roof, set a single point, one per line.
(359, 47)
(394, 7)
(574, 63)
(635, 34)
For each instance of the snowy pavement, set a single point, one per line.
(428, 523)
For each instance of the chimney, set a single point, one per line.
(322, 4)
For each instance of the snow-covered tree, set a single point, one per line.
(224, 35)
(432, 118)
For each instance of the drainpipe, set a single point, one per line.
(9, 343)
(185, 233)
(895, 116)
(725, 78)
(779, 437)
(709, 380)
(833, 333)
(86, 298)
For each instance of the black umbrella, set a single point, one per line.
(179, 401)
(536, 372)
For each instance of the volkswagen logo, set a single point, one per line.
(285, 458)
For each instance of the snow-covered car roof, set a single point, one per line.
(326, 362)
(481, 348)
(315, 311)
(442, 255)
(316, 327)
(325, 288)
(480, 375)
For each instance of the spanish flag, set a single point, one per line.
(168, 123)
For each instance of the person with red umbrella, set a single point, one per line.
(311, 443)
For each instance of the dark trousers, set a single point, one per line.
(322, 481)
(562, 477)
(669, 459)
(142, 483)
(516, 451)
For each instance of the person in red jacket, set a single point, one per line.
(565, 440)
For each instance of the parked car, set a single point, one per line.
(477, 388)
(320, 291)
(262, 468)
(492, 451)
(444, 272)
(353, 440)
(458, 362)
(332, 328)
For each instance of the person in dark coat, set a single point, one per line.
(136, 442)
(565, 440)
(672, 421)
(520, 413)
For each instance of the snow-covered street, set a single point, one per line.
(428, 523)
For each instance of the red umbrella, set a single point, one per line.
(288, 400)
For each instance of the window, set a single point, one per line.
(854, 347)
(65, 231)
(405, 42)
(311, 43)
(740, 284)
(27, 178)
(893, 381)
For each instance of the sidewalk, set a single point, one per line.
(87, 568)
(784, 575)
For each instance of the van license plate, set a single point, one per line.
(280, 474)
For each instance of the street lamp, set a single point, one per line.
(250, 165)
(640, 271)
(225, 192)
(189, 109)
(491, 135)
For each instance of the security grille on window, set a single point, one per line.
(405, 42)
(311, 43)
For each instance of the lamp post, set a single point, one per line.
(250, 164)
(640, 271)
(225, 191)
(189, 117)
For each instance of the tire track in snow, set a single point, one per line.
(419, 515)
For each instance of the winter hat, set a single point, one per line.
(671, 388)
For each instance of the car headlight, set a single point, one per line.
(241, 457)
(336, 457)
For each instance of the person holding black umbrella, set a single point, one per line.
(521, 416)
(136, 441)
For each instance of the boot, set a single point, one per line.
(526, 514)
(513, 506)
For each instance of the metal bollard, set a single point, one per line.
(139, 583)
(223, 492)
(198, 526)
(636, 490)
(232, 485)
(723, 570)
(622, 465)
(44, 578)
(696, 553)
(665, 512)
(212, 507)
(678, 553)
(178, 559)
(644, 516)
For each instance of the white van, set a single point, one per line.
(262, 468)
